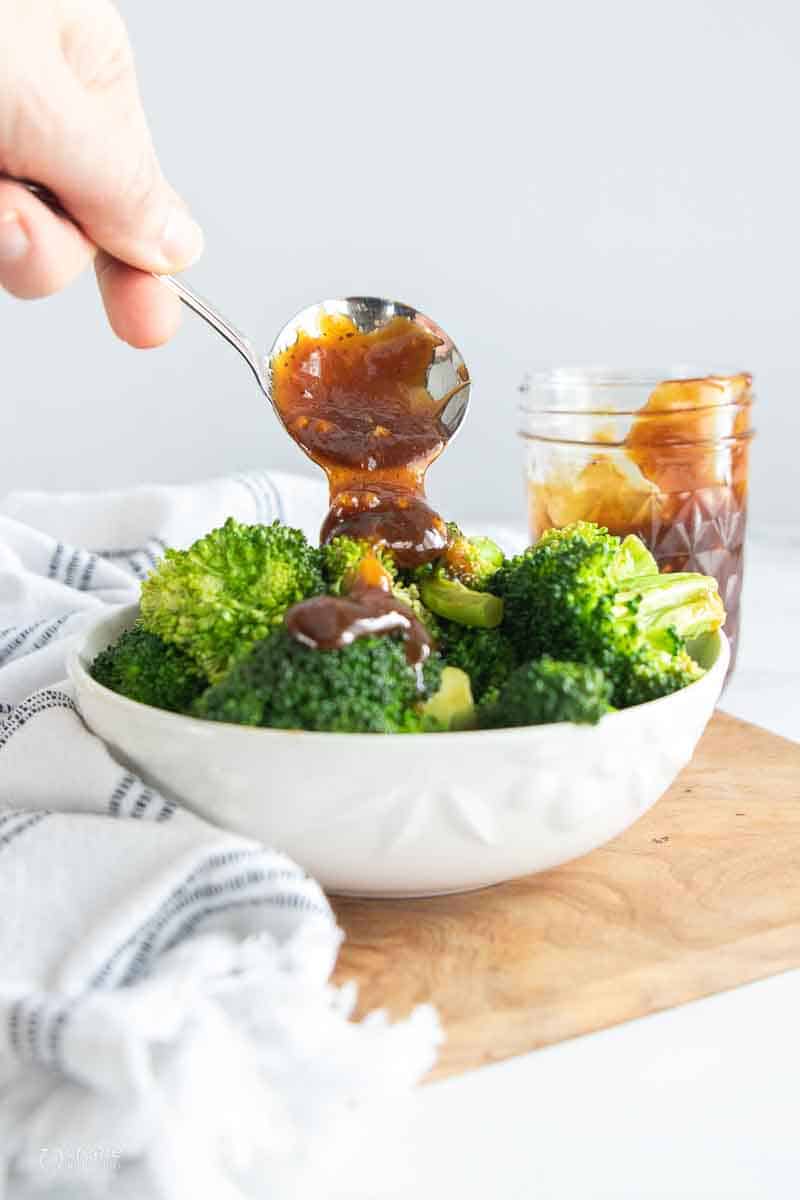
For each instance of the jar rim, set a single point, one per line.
(589, 388)
(599, 375)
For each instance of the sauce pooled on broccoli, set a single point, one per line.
(369, 609)
(358, 404)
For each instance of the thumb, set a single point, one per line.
(102, 165)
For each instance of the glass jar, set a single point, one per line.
(663, 454)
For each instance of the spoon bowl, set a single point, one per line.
(448, 379)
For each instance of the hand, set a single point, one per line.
(71, 118)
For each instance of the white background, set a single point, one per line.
(581, 181)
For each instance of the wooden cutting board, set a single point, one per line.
(701, 894)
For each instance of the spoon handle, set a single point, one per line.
(216, 320)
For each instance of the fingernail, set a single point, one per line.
(182, 240)
(14, 241)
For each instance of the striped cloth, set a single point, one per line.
(167, 1028)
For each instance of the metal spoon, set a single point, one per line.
(448, 378)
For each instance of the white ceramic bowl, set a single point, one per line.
(408, 814)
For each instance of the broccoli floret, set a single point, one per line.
(648, 673)
(541, 692)
(670, 608)
(365, 687)
(583, 595)
(453, 586)
(471, 560)
(346, 562)
(229, 590)
(142, 667)
(410, 595)
(486, 655)
(555, 591)
(344, 559)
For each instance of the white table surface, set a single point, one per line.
(701, 1101)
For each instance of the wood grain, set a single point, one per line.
(701, 894)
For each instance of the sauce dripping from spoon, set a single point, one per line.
(358, 405)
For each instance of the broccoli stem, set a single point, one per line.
(451, 599)
(452, 706)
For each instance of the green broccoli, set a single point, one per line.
(365, 687)
(451, 707)
(486, 655)
(347, 561)
(142, 667)
(229, 590)
(541, 692)
(648, 673)
(471, 560)
(680, 605)
(343, 559)
(583, 595)
(453, 586)
(455, 601)
(409, 593)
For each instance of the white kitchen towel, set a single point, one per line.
(167, 1025)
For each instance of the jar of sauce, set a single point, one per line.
(659, 453)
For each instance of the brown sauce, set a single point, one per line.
(358, 405)
(331, 622)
